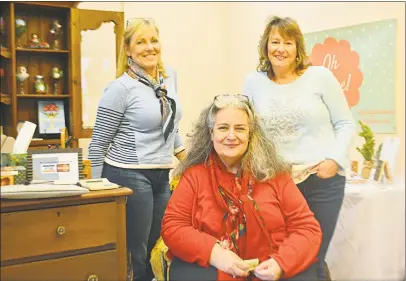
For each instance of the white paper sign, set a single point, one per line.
(390, 148)
(24, 137)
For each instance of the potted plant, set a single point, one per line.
(367, 150)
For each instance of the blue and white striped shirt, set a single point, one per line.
(128, 129)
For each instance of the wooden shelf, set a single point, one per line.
(6, 99)
(45, 96)
(47, 51)
(39, 18)
(5, 52)
(45, 142)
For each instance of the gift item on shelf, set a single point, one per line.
(36, 43)
(20, 29)
(22, 76)
(39, 85)
(55, 31)
(56, 76)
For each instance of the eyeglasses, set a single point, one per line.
(228, 96)
(240, 97)
(146, 20)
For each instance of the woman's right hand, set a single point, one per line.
(228, 262)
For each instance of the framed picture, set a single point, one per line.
(51, 116)
(55, 164)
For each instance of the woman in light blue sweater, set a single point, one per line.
(136, 136)
(304, 111)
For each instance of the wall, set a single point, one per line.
(213, 45)
(192, 36)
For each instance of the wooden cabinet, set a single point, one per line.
(43, 39)
(71, 238)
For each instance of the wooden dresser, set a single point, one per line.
(70, 238)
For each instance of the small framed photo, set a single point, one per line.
(55, 164)
(51, 116)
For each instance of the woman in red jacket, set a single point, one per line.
(236, 201)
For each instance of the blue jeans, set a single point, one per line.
(145, 209)
(324, 197)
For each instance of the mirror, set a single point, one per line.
(98, 68)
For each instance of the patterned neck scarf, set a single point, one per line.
(235, 198)
(167, 104)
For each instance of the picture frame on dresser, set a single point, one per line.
(55, 164)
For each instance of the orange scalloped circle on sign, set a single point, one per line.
(343, 62)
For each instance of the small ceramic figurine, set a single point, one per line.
(22, 76)
(34, 42)
(20, 28)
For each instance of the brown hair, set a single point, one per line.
(288, 28)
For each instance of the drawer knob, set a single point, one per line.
(60, 230)
(93, 277)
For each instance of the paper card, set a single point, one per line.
(24, 137)
(390, 148)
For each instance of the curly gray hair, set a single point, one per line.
(260, 159)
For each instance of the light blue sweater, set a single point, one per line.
(309, 118)
(128, 129)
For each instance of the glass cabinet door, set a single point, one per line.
(96, 43)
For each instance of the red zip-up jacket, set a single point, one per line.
(192, 223)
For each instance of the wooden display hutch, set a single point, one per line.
(19, 101)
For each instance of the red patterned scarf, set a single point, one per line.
(233, 193)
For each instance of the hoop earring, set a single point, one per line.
(129, 61)
(297, 58)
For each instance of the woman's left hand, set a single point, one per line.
(268, 270)
(326, 169)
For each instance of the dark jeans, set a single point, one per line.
(325, 197)
(183, 271)
(145, 209)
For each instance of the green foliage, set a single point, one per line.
(367, 150)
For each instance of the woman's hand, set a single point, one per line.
(268, 270)
(326, 169)
(228, 262)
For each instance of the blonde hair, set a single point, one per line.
(288, 28)
(134, 26)
(260, 159)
